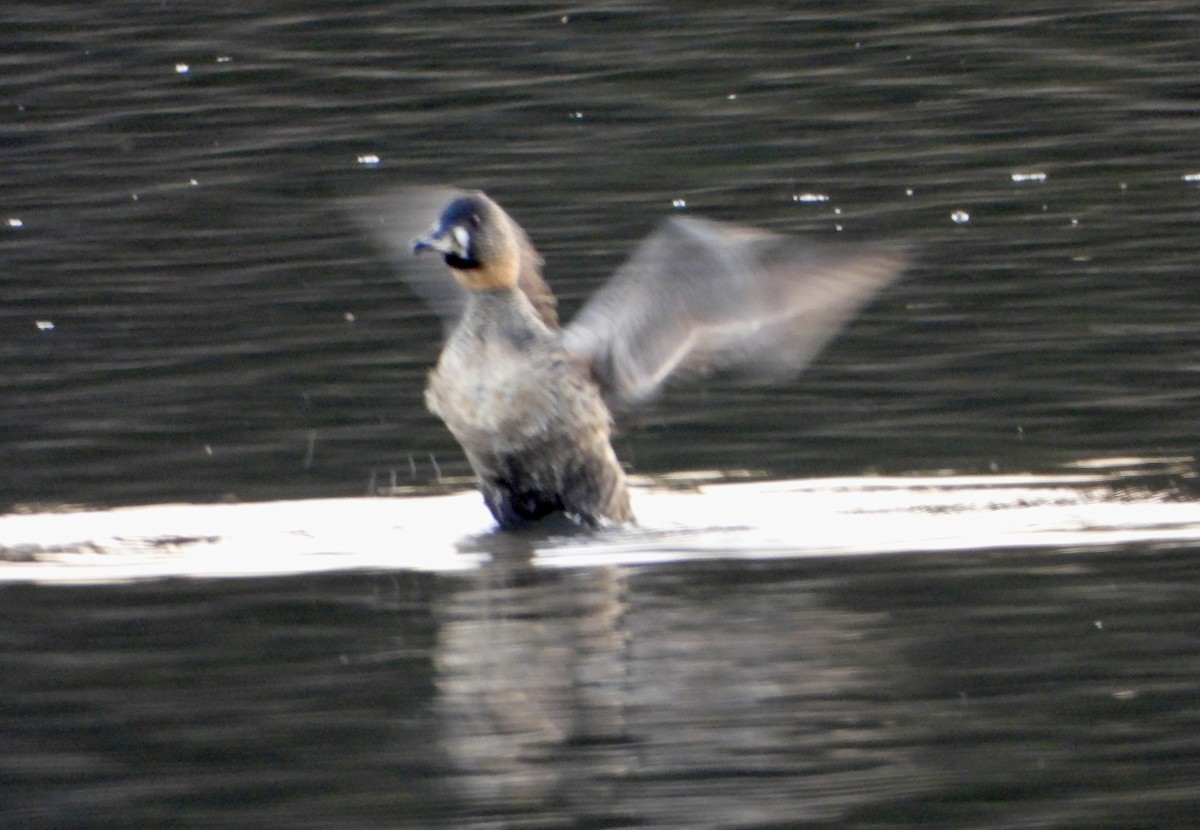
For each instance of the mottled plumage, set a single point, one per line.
(530, 404)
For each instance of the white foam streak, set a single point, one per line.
(753, 520)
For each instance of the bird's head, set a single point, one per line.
(478, 240)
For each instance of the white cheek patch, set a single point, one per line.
(462, 238)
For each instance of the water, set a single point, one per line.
(238, 336)
(191, 315)
(1021, 689)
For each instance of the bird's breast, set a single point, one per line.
(496, 397)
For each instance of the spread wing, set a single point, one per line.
(395, 218)
(698, 296)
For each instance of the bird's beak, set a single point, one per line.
(438, 239)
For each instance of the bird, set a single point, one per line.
(532, 402)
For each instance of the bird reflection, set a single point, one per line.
(529, 669)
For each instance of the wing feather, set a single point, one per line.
(698, 296)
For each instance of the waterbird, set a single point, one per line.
(531, 402)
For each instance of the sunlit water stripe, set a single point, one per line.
(720, 520)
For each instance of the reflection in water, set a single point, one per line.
(532, 688)
(695, 704)
(686, 699)
(912, 689)
(752, 700)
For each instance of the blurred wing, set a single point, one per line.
(393, 220)
(697, 296)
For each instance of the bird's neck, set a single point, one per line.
(493, 277)
(502, 312)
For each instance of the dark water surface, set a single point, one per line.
(189, 313)
(238, 336)
(1014, 690)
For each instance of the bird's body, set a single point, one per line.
(529, 417)
(531, 403)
